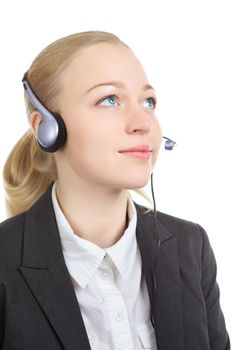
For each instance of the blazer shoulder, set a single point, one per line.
(185, 231)
(11, 236)
(12, 224)
(190, 235)
(179, 226)
(174, 220)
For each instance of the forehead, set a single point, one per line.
(104, 61)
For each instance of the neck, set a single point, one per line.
(95, 213)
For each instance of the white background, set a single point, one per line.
(186, 49)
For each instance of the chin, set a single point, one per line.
(134, 184)
(135, 187)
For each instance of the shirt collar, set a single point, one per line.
(83, 257)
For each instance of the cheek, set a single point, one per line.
(90, 137)
(89, 146)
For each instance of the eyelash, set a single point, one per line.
(153, 99)
(114, 96)
(106, 97)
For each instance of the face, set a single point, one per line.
(108, 106)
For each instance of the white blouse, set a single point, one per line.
(110, 287)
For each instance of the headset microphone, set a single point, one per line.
(169, 145)
(51, 133)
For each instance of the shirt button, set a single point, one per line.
(104, 274)
(119, 316)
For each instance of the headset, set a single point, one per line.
(51, 133)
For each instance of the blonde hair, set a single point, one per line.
(29, 170)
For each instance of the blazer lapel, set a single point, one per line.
(43, 267)
(166, 299)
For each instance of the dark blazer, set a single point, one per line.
(38, 306)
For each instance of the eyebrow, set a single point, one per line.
(118, 84)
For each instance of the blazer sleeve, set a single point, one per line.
(218, 336)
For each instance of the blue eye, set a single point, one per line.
(109, 101)
(151, 102)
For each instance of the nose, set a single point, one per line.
(140, 120)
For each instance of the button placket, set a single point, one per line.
(115, 304)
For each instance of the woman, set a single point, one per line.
(81, 264)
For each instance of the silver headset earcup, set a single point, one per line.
(47, 132)
(51, 133)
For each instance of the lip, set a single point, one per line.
(138, 148)
(139, 151)
(142, 155)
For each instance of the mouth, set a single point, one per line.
(136, 154)
(138, 148)
(140, 151)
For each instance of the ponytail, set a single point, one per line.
(27, 173)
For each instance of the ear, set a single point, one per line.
(34, 121)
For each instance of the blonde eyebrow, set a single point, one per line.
(118, 84)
